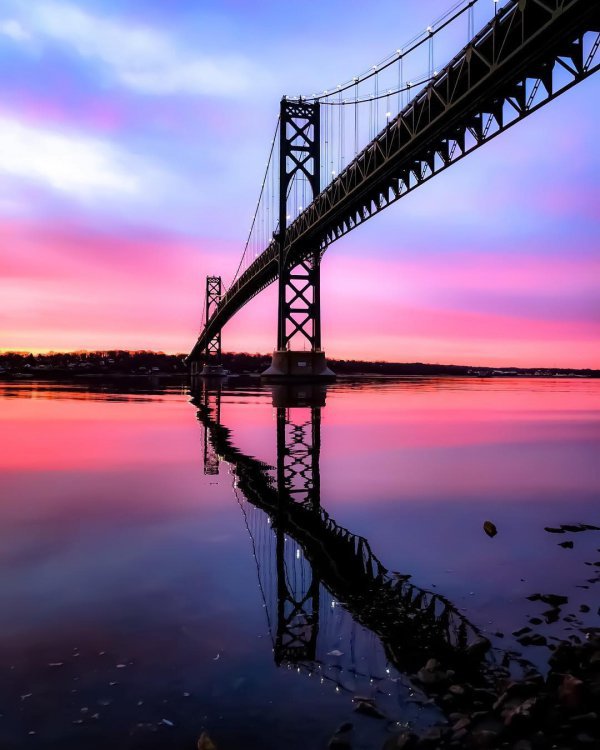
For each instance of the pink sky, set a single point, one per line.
(123, 185)
(119, 293)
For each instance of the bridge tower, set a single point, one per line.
(299, 299)
(212, 353)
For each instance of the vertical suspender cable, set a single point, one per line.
(340, 132)
(400, 76)
(326, 130)
(470, 23)
(376, 121)
(343, 110)
(356, 117)
(331, 149)
(430, 51)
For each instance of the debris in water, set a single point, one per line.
(167, 723)
(554, 600)
(490, 528)
(217, 657)
(335, 652)
(205, 742)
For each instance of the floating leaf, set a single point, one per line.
(490, 528)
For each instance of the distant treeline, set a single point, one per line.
(142, 363)
(101, 362)
(258, 362)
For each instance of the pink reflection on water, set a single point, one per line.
(48, 431)
(447, 437)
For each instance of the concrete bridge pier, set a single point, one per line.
(290, 366)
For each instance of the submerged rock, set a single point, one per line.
(368, 708)
(205, 742)
(342, 737)
(402, 741)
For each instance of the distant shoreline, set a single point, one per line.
(124, 365)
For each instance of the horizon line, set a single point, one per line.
(50, 352)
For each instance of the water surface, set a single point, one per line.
(155, 584)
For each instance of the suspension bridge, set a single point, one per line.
(333, 609)
(417, 120)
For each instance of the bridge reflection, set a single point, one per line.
(333, 608)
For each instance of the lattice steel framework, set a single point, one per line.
(530, 53)
(213, 297)
(298, 483)
(298, 452)
(299, 307)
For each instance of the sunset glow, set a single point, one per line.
(132, 142)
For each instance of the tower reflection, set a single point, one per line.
(333, 608)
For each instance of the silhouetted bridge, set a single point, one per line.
(318, 186)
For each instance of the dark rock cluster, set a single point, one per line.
(559, 711)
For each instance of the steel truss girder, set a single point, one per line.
(299, 309)
(508, 71)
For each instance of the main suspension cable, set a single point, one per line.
(262, 189)
(441, 23)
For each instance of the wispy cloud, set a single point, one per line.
(68, 162)
(10, 27)
(142, 58)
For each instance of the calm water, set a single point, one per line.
(247, 565)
